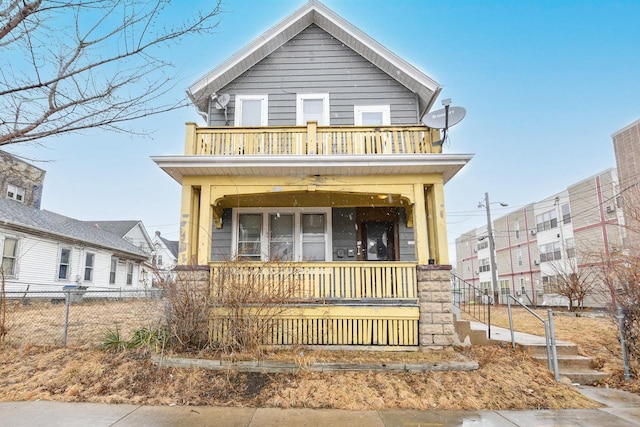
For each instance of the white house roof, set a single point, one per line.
(314, 12)
(18, 216)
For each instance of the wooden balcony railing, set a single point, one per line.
(309, 140)
(317, 282)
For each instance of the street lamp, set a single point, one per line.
(492, 247)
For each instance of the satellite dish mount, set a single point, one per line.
(444, 118)
(220, 102)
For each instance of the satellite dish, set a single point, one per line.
(438, 119)
(221, 101)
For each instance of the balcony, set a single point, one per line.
(310, 140)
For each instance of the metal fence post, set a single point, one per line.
(625, 360)
(554, 351)
(67, 303)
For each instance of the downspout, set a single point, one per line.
(203, 114)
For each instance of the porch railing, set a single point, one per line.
(309, 140)
(321, 281)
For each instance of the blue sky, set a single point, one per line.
(545, 84)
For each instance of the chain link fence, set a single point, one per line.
(77, 317)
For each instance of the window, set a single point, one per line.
(566, 214)
(288, 234)
(570, 248)
(520, 259)
(129, 272)
(547, 220)
(16, 193)
(88, 267)
(159, 260)
(112, 270)
(484, 265)
(483, 244)
(64, 268)
(505, 287)
(312, 107)
(550, 252)
(372, 115)
(516, 226)
(550, 284)
(9, 255)
(251, 110)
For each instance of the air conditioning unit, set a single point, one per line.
(533, 232)
(536, 262)
(609, 209)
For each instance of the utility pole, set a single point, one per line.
(492, 252)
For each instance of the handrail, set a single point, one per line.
(546, 330)
(477, 303)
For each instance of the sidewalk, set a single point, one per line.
(623, 409)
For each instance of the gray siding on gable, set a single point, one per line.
(344, 233)
(315, 62)
(221, 239)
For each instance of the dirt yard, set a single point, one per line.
(506, 379)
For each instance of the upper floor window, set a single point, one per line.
(566, 214)
(312, 107)
(516, 226)
(484, 265)
(550, 252)
(372, 115)
(16, 193)
(251, 110)
(520, 259)
(547, 220)
(9, 256)
(64, 266)
(88, 267)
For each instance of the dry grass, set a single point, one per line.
(505, 380)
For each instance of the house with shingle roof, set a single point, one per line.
(45, 251)
(165, 257)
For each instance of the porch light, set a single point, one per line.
(383, 196)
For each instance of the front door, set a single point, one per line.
(378, 238)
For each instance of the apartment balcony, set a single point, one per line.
(311, 150)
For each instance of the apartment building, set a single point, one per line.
(534, 244)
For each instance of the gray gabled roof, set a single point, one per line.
(121, 228)
(18, 216)
(314, 12)
(172, 246)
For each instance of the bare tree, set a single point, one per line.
(69, 65)
(575, 279)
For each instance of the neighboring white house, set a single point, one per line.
(45, 251)
(165, 257)
(134, 232)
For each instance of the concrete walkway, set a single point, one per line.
(623, 409)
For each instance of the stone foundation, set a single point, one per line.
(193, 277)
(435, 327)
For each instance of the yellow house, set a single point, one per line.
(314, 154)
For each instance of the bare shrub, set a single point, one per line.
(247, 301)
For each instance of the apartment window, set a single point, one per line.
(88, 267)
(505, 287)
(129, 272)
(372, 115)
(485, 265)
(288, 234)
(9, 256)
(516, 227)
(312, 107)
(547, 220)
(16, 193)
(566, 214)
(64, 268)
(251, 110)
(483, 244)
(550, 284)
(570, 248)
(550, 252)
(520, 259)
(112, 270)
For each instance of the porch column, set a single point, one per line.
(205, 224)
(420, 224)
(438, 246)
(435, 327)
(189, 212)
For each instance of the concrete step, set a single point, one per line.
(567, 349)
(568, 361)
(583, 377)
(467, 334)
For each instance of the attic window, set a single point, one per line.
(16, 193)
(251, 110)
(312, 107)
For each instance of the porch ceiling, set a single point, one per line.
(312, 198)
(291, 165)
